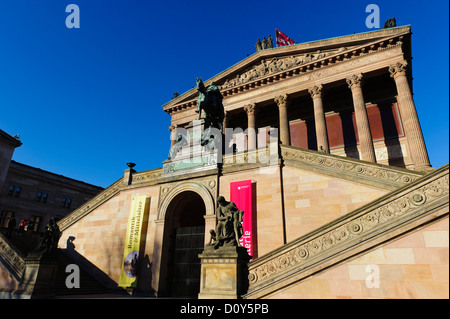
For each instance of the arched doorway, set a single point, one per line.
(184, 237)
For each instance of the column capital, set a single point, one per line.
(173, 127)
(354, 81)
(397, 69)
(316, 91)
(250, 109)
(281, 100)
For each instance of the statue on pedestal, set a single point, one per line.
(179, 143)
(229, 225)
(210, 101)
(49, 240)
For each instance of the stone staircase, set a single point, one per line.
(421, 200)
(13, 258)
(88, 284)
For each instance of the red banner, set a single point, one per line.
(283, 39)
(242, 194)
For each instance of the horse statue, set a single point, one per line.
(210, 101)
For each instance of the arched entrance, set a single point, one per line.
(184, 237)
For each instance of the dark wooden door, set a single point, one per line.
(186, 274)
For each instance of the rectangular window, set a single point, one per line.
(17, 191)
(5, 216)
(66, 202)
(41, 197)
(11, 190)
(33, 223)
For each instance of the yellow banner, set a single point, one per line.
(128, 275)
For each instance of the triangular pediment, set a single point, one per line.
(272, 61)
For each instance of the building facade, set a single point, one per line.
(31, 193)
(345, 184)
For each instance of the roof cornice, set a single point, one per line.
(364, 43)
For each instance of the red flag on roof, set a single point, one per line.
(283, 39)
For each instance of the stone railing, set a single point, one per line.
(12, 257)
(139, 178)
(262, 156)
(378, 175)
(90, 205)
(379, 221)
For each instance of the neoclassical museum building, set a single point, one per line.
(325, 155)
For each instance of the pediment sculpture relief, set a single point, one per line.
(274, 65)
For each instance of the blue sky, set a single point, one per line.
(87, 101)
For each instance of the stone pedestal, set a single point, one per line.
(194, 157)
(224, 272)
(38, 278)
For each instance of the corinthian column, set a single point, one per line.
(319, 119)
(362, 120)
(251, 128)
(409, 116)
(282, 101)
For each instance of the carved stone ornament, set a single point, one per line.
(316, 91)
(398, 69)
(250, 109)
(347, 167)
(354, 81)
(281, 100)
(274, 65)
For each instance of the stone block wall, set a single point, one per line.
(312, 200)
(100, 236)
(415, 266)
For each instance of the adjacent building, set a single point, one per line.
(31, 193)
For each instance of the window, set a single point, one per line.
(5, 216)
(41, 197)
(17, 191)
(66, 202)
(33, 223)
(14, 190)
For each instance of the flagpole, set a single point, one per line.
(276, 38)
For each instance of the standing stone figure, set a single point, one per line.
(264, 43)
(270, 42)
(258, 46)
(229, 224)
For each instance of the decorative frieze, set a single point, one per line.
(309, 71)
(12, 258)
(389, 177)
